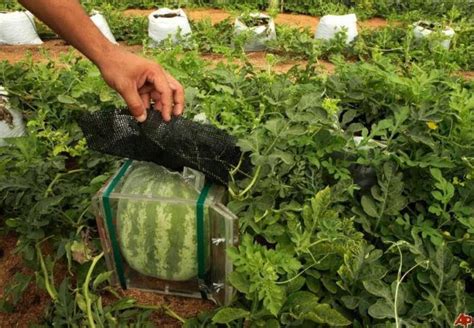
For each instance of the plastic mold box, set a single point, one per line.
(219, 222)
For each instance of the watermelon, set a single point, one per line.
(157, 236)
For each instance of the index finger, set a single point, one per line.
(134, 103)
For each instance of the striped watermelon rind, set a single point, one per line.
(157, 237)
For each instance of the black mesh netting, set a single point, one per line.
(178, 143)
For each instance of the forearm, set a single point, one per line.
(71, 22)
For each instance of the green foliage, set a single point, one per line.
(258, 270)
(83, 305)
(10, 5)
(49, 194)
(208, 38)
(363, 8)
(227, 315)
(319, 247)
(399, 44)
(127, 4)
(132, 29)
(14, 291)
(408, 138)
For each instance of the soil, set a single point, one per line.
(215, 15)
(53, 49)
(31, 308)
(17, 53)
(34, 301)
(50, 49)
(468, 75)
(184, 307)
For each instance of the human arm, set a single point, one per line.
(137, 79)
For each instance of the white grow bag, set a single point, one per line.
(164, 23)
(329, 25)
(11, 121)
(261, 33)
(422, 30)
(18, 27)
(99, 20)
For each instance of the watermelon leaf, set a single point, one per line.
(229, 314)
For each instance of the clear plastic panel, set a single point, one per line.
(140, 215)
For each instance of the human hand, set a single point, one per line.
(139, 81)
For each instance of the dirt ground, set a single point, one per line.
(469, 75)
(50, 49)
(184, 307)
(31, 308)
(33, 304)
(54, 49)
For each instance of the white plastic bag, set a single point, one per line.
(262, 33)
(165, 22)
(329, 25)
(424, 29)
(11, 121)
(18, 27)
(99, 20)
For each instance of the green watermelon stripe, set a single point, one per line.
(162, 243)
(188, 252)
(150, 262)
(176, 232)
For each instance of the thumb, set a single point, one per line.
(134, 103)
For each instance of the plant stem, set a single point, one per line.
(252, 183)
(167, 310)
(85, 290)
(299, 274)
(400, 278)
(173, 314)
(56, 179)
(47, 283)
(113, 292)
(254, 304)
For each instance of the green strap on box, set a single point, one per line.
(200, 215)
(110, 224)
(201, 251)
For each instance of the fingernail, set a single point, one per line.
(141, 118)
